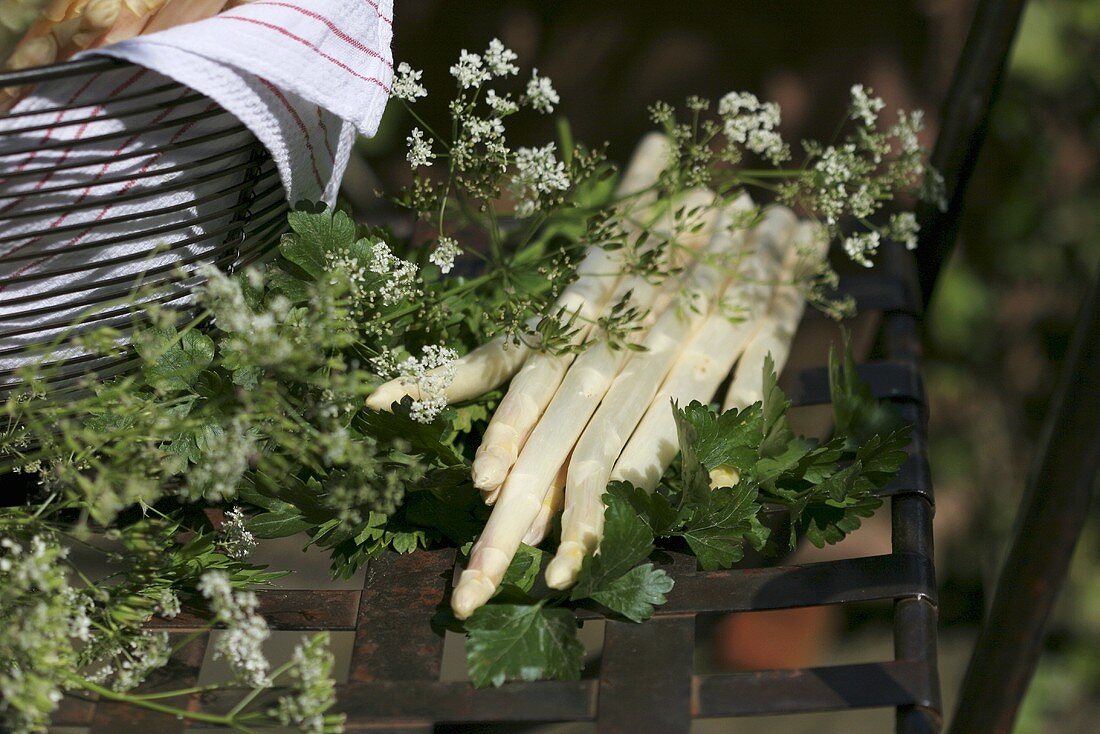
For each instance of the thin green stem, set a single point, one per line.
(243, 703)
(172, 694)
(419, 119)
(150, 705)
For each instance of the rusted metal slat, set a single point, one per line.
(871, 578)
(74, 709)
(182, 671)
(394, 638)
(888, 380)
(874, 292)
(287, 609)
(398, 702)
(863, 685)
(645, 676)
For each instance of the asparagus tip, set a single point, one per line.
(383, 398)
(473, 590)
(489, 470)
(561, 573)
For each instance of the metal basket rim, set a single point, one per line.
(60, 70)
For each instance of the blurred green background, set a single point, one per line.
(998, 326)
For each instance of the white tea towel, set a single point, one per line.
(293, 72)
(121, 177)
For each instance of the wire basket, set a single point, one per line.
(118, 187)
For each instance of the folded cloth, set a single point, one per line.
(123, 177)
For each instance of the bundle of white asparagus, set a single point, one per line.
(569, 424)
(65, 27)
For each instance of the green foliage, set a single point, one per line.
(522, 642)
(825, 489)
(173, 361)
(635, 594)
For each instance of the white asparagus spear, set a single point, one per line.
(98, 16)
(523, 491)
(708, 357)
(629, 397)
(496, 361)
(538, 380)
(551, 506)
(132, 20)
(179, 12)
(534, 386)
(777, 329)
(475, 374)
(546, 450)
(542, 373)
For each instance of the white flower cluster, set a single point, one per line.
(473, 70)
(502, 106)
(420, 149)
(400, 281)
(864, 106)
(907, 129)
(407, 85)
(242, 643)
(488, 131)
(168, 604)
(314, 688)
(255, 332)
(862, 246)
(233, 538)
(431, 374)
(541, 94)
(498, 59)
(538, 173)
(44, 621)
(444, 254)
(903, 228)
(142, 655)
(842, 184)
(470, 71)
(748, 122)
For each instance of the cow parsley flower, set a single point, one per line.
(903, 228)
(407, 85)
(541, 94)
(864, 106)
(142, 655)
(837, 169)
(538, 174)
(168, 604)
(748, 122)
(420, 149)
(430, 375)
(498, 59)
(486, 131)
(41, 617)
(233, 538)
(469, 71)
(400, 281)
(906, 130)
(502, 106)
(242, 642)
(313, 686)
(446, 250)
(862, 246)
